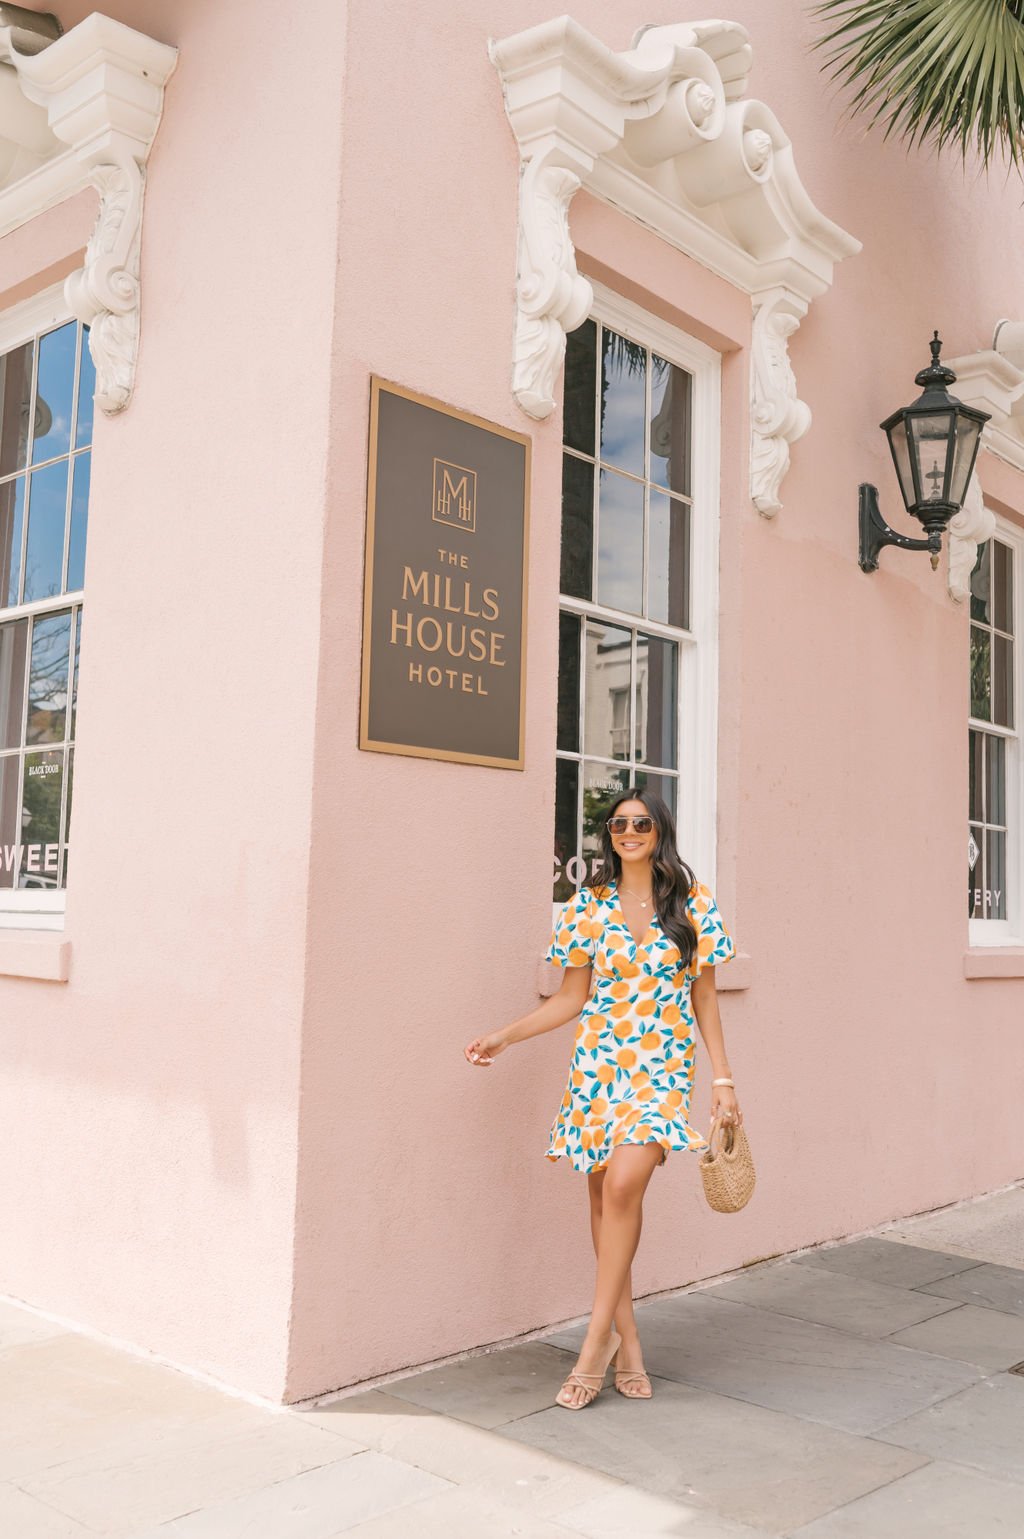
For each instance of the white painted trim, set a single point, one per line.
(20, 322)
(663, 131)
(101, 88)
(1010, 931)
(993, 381)
(697, 701)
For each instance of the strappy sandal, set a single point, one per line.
(578, 1381)
(623, 1376)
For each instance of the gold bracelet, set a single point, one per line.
(729, 1082)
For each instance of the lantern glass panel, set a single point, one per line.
(934, 441)
(967, 434)
(901, 459)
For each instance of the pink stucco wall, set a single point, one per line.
(430, 1220)
(243, 1134)
(148, 1187)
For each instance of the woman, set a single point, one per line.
(639, 948)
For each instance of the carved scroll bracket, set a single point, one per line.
(971, 527)
(102, 87)
(777, 415)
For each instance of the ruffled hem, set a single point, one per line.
(585, 1160)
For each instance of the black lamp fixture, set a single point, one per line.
(934, 444)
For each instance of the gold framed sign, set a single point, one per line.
(444, 591)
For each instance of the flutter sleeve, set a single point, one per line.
(574, 937)
(714, 943)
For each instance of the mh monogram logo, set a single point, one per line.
(454, 496)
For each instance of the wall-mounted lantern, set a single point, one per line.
(934, 444)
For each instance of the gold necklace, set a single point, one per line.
(644, 903)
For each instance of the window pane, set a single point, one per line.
(86, 390)
(12, 523)
(13, 642)
(620, 551)
(668, 560)
(657, 663)
(15, 405)
(995, 781)
(79, 523)
(10, 776)
(47, 506)
(53, 393)
(976, 758)
(568, 869)
(980, 663)
(980, 582)
(608, 649)
(665, 785)
(994, 896)
(40, 818)
(577, 527)
(580, 391)
(671, 390)
(975, 871)
(569, 682)
(1002, 587)
(623, 402)
(601, 785)
(48, 679)
(1002, 681)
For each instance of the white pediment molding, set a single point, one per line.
(82, 111)
(665, 132)
(994, 381)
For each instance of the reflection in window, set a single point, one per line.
(626, 561)
(46, 422)
(993, 738)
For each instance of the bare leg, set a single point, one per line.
(629, 1357)
(621, 1200)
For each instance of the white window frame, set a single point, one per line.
(1009, 931)
(697, 700)
(34, 908)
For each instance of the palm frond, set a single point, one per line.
(947, 72)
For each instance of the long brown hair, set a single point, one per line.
(672, 881)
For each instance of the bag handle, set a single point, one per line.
(724, 1130)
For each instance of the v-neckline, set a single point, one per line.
(637, 944)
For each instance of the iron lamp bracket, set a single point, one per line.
(875, 532)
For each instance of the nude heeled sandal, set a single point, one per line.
(592, 1390)
(625, 1374)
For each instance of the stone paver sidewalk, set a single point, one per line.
(857, 1391)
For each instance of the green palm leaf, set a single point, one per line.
(949, 72)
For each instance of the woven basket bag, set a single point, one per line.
(728, 1171)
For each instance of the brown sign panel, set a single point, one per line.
(444, 601)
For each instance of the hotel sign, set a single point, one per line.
(444, 597)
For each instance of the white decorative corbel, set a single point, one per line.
(101, 85)
(971, 527)
(664, 132)
(552, 297)
(777, 415)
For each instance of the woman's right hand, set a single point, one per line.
(483, 1050)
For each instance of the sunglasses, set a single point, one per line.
(620, 825)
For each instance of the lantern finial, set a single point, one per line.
(936, 374)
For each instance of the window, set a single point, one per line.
(638, 623)
(46, 406)
(996, 810)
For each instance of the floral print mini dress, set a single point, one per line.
(631, 1072)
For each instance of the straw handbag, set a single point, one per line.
(728, 1171)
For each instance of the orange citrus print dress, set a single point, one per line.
(631, 1072)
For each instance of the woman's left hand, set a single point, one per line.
(725, 1105)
